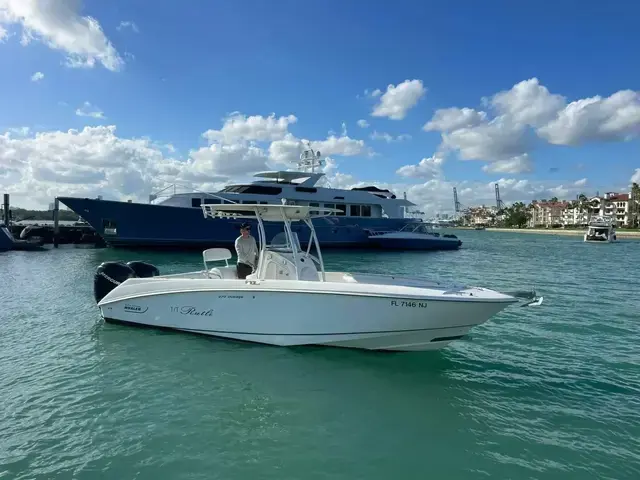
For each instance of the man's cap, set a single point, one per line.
(245, 225)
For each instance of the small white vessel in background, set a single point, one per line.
(414, 236)
(291, 300)
(600, 229)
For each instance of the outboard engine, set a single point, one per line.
(144, 269)
(108, 276)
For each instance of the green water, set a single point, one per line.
(549, 393)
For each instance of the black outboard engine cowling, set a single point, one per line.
(108, 276)
(144, 269)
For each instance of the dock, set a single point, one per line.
(50, 232)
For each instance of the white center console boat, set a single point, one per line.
(290, 299)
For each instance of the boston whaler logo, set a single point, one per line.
(192, 311)
(134, 308)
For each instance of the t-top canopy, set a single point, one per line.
(270, 213)
(601, 221)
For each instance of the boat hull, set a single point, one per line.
(273, 315)
(123, 224)
(610, 239)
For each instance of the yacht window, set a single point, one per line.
(211, 201)
(249, 202)
(329, 205)
(264, 203)
(255, 189)
(366, 211)
(195, 202)
(306, 189)
(343, 209)
(354, 210)
(313, 204)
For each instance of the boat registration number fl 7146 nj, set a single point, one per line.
(290, 299)
(404, 303)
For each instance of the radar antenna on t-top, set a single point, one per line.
(309, 158)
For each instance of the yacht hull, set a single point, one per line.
(304, 313)
(133, 225)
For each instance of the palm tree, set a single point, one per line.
(583, 204)
(635, 205)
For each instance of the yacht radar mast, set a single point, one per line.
(309, 158)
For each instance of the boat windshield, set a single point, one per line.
(280, 241)
(416, 228)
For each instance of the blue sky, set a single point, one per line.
(186, 66)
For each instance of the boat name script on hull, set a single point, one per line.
(189, 310)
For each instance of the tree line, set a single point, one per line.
(518, 214)
(18, 214)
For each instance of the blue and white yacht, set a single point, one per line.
(177, 221)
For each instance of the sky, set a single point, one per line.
(125, 97)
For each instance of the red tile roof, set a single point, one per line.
(552, 204)
(620, 197)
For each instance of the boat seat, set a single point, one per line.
(216, 255)
(224, 273)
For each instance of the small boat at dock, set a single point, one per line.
(9, 242)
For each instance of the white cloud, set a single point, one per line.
(90, 161)
(128, 24)
(287, 150)
(435, 195)
(20, 131)
(36, 77)
(238, 127)
(528, 103)
(388, 137)
(499, 139)
(614, 118)
(450, 119)
(525, 111)
(427, 168)
(59, 25)
(362, 123)
(35, 167)
(580, 183)
(635, 178)
(227, 160)
(344, 145)
(95, 161)
(88, 110)
(3, 34)
(519, 164)
(398, 100)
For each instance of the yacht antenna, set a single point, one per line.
(309, 158)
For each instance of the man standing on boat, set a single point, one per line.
(247, 251)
